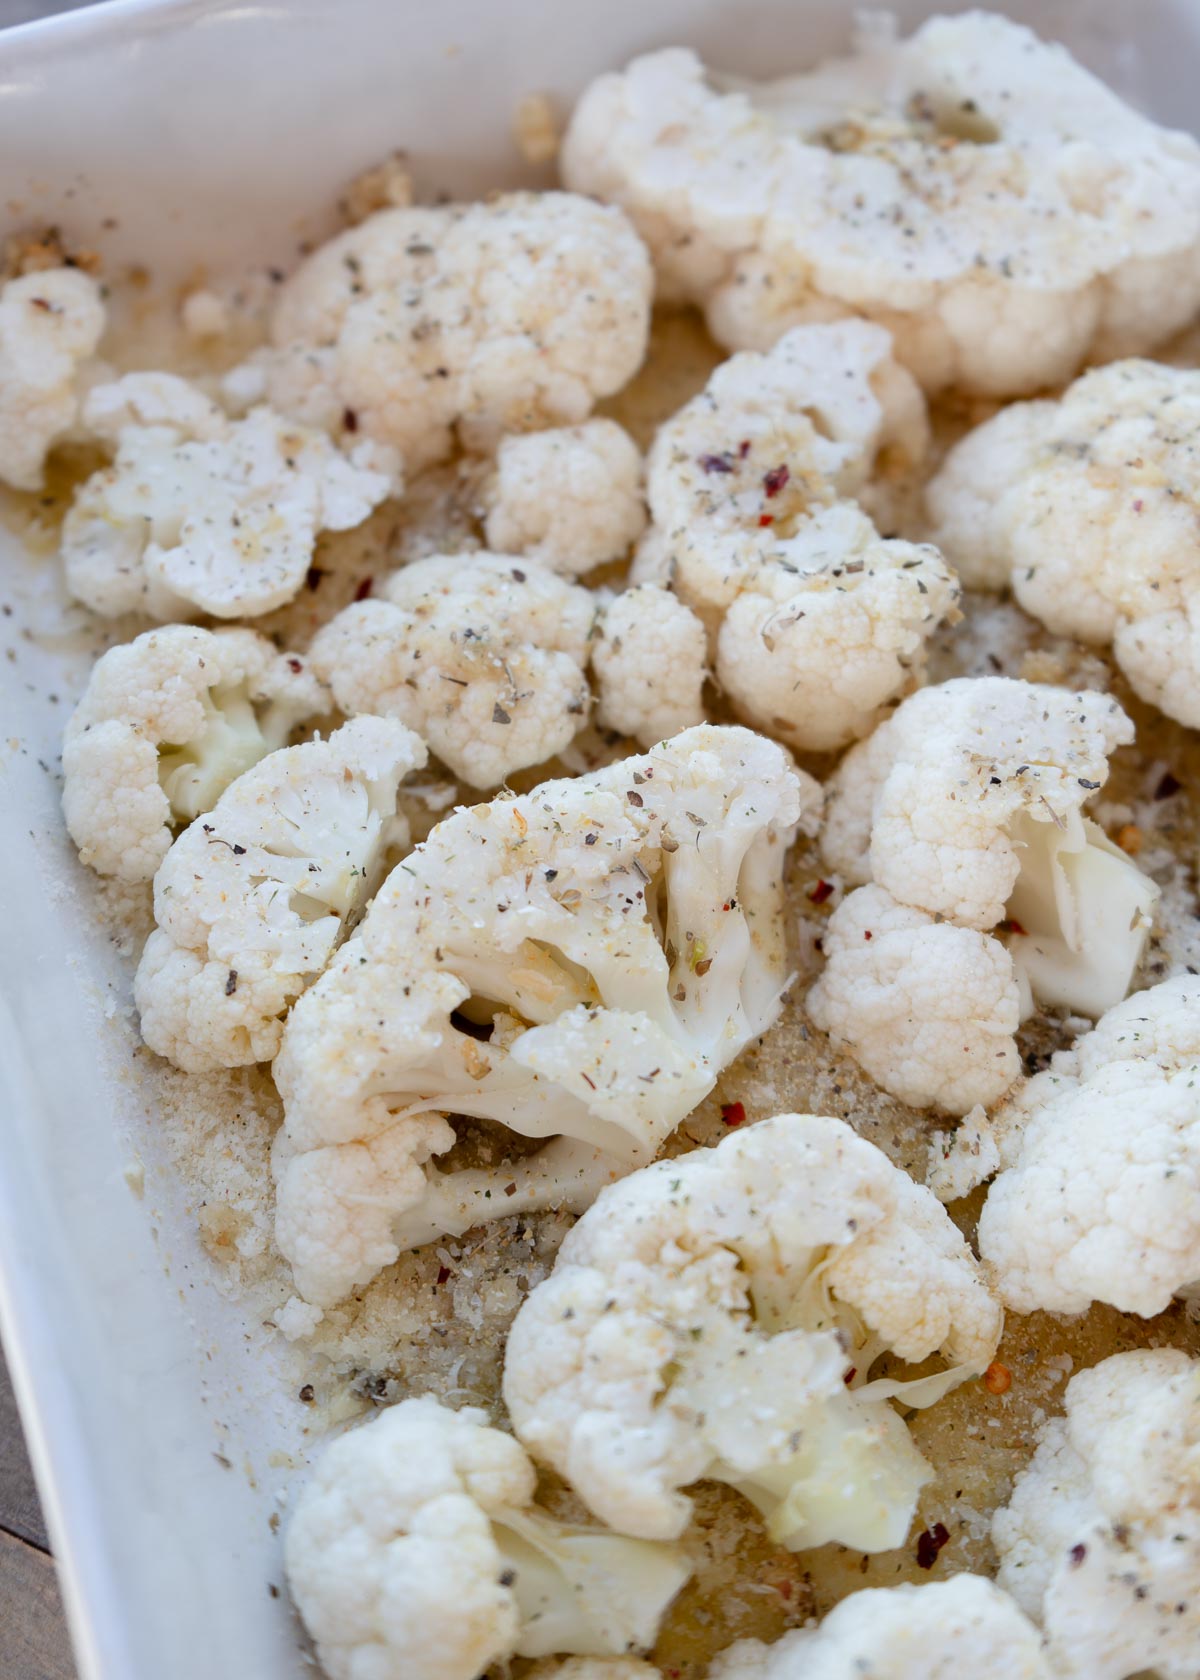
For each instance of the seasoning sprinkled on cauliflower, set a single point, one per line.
(252, 898)
(416, 1553)
(201, 513)
(50, 324)
(1086, 506)
(1100, 1541)
(928, 1009)
(570, 497)
(578, 963)
(166, 722)
(484, 655)
(717, 1316)
(974, 189)
(506, 316)
(1101, 1199)
(816, 620)
(964, 1626)
(650, 659)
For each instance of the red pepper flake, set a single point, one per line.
(443, 1274)
(349, 420)
(997, 1379)
(1012, 925)
(765, 519)
(822, 891)
(733, 1114)
(717, 463)
(775, 480)
(868, 934)
(930, 1544)
(850, 1375)
(40, 303)
(364, 589)
(1137, 506)
(743, 449)
(1168, 786)
(294, 664)
(1077, 1554)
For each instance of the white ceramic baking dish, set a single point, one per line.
(181, 134)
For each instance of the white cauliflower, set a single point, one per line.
(1086, 506)
(649, 660)
(928, 1009)
(716, 1316)
(1101, 1199)
(416, 1553)
(201, 513)
(945, 1631)
(484, 655)
(816, 620)
(578, 963)
(570, 497)
(964, 811)
(166, 722)
(974, 189)
(50, 324)
(251, 900)
(506, 316)
(1100, 1541)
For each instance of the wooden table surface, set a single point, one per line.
(33, 1634)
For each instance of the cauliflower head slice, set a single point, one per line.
(579, 962)
(569, 497)
(816, 620)
(415, 1553)
(1085, 504)
(1042, 222)
(1100, 1541)
(650, 661)
(716, 1316)
(1101, 1197)
(251, 900)
(484, 655)
(198, 513)
(166, 722)
(50, 325)
(967, 804)
(480, 319)
(928, 1009)
(966, 1625)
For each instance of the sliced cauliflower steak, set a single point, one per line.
(974, 189)
(578, 964)
(251, 899)
(964, 1626)
(1101, 1197)
(166, 722)
(717, 1315)
(816, 621)
(1100, 1541)
(1088, 507)
(202, 513)
(416, 1553)
(507, 316)
(569, 497)
(50, 325)
(482, 654)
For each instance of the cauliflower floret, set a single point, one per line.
(507, 316)
(416, 1554)
(198, 512)
(570, 498)
(974, 189)
(964, 1626)
(717, 1315)
(1100, 1541)
(483, 654)
(251, 901)
(928, 1009)
(1101, 1199)
(166, 722)
(816, 620)
(581, 961)
(50, 324)
(650, 659)
(1088, 506)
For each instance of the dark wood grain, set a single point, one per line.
(20, 1513)
(33, 1634)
